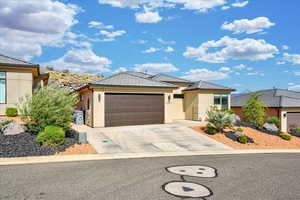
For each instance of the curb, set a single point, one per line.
(93, 157)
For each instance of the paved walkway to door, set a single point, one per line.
(175, 137)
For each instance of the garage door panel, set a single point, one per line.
(293, 119)
(133, 109)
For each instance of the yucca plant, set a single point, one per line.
(219, 119)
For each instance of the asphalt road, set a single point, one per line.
(239, 177)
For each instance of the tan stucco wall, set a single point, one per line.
(18, 84)
(99, 103)
(178, 108)
(86, 97)
(198, 102)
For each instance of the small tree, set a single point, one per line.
(48, 106)
(219, 119)
(255, 110)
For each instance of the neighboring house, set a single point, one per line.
(17, 79)
(134, 98)
(284, 104)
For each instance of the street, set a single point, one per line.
(224, 177)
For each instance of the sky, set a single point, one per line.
(247, 45)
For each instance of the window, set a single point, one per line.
(220, 99)
(2, 87)
(178, 96)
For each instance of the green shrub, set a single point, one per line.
(211, 130)
(255, 110)
(11, 112)
(243, 139)
(231, 112)
(274, 120)
(5, 123)
(285, 136)
(219, 119)
(239, 129)
(297, 129)
(51, 136)
(48, 106)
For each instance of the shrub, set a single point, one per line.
(297, 129)
(11, 112)
(219, 119)
(49, 105)
(243, 139)
(211, 130)
(274, 120)
(285, 136)
(231, 112)
(51, 136)
(255, 110)
(239, 129)
(5, 123)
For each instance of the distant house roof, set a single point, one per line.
(9, 61)
(140, 74)
(273, 98)
(168, 78)
(125, 79)
(203, 85)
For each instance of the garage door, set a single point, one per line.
(293, 119)
(133, 109)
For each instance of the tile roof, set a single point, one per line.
(274, 98)
(125, 79)
(168, 78)
(6, 60)
(203, 85)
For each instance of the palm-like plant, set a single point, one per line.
(219, 119)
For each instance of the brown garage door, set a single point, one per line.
(293, 119)
(133, 109)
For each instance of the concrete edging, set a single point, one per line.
(93, 157)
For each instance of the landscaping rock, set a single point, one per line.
(2, 120)
(13, 128)
(235, 135)
(271, 127)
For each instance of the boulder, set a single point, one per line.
(271, 127)
(2, 120)
(13, 128)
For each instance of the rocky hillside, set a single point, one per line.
(70, 79)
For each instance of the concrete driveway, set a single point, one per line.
(175, 137)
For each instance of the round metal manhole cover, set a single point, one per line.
(187, 190)
(195, 171)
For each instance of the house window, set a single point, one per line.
(2, 87)
(178, 96)
(220, 99)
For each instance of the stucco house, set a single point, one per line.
(17, 79)
(134, 98)
(282, 103)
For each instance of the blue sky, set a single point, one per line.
(247, 45)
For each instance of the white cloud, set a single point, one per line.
(294, 87)
(247, 49)
(285, 47)
(151, 50)
(99, 25)
(255, 74)
(290, 84)
(141, 41)
(204, 74)
(148, 17)
(110, 36)
(292, 58)
(27, 26)
(155, 67)
(240, 67)
(81, 60)
(199, 5)
(119, 70)
(225, 69)
(225, 7)
(169, 49)
(248, 26)
(240, 4)
(160, 40)
(297, 73)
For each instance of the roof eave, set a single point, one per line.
(130, 86)
(229, 90)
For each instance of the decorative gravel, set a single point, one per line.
(24, 145)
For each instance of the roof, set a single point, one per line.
(203, 85)
(9, 61)
(140, 74)
(273, 98)
(168, 78)
(127, 79)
